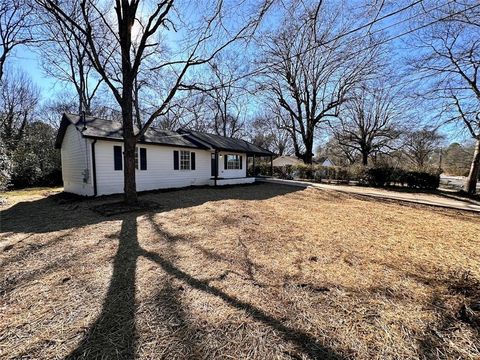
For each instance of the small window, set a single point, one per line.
(117, 157)
(184, 160)
(233, 162)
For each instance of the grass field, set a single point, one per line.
(248, 272)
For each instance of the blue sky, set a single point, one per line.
(28, 60)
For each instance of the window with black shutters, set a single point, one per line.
(183, 160)
(117, 157)
(233, 162)
(136, 158)
(140, 158)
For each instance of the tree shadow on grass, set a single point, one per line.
(113, 335)
(54, 213)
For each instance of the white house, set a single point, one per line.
(92, 157)
(324, 161)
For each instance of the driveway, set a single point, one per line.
(446, 200)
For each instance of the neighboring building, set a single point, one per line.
(92, 157)
(286, 160)
(324, 161)
(292, 160)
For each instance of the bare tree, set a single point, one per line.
(311, 69)
(368, 122)
(420, 145)
(65, 59)
(225, 95)
(18, 101)
(265, 131)
(16, 28)
(338, 153)
(120, 63)
(451, 59)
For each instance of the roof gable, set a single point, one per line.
(97, 128)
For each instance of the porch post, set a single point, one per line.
(254, 175)
(271, 165)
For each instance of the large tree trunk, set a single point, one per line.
(471, 182)
(364, 158)
(130, 189)
(307, 155)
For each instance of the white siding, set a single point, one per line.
(327, 163)
(225, 173)
(237, 181)
(76, 163)
(159, 173)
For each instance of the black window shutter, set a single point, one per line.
(175, 160)
(192, 161)
(225, 160)
(241, 160)
(143, 159)
(117, 157)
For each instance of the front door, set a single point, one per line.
(213, 162)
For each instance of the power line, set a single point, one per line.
(266, 67)
(414, 29)
(369, 24)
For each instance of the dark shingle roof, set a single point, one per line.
(227, 144)
(109, 129)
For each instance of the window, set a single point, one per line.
(141, 158)
(233, 162)
(117, 157)
(184, 160)
(136, 158)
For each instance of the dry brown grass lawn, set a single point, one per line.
(254, 272)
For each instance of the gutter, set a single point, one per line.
(94, 168)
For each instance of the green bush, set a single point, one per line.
(388, 176)
(379, 176)
(5, 168)
(304, 171)
(284, 172)
(35, 161)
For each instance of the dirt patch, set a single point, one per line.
(120, 207)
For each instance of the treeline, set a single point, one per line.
(429, 152)
(27, 153)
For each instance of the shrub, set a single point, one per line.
(5, 168)
(388, 176)
(379, 176)
(421, 180)
(304, 171)
(284, 172)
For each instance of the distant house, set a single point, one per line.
(286, 160)
(92, 157)
(292, 160)
(324, 161)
